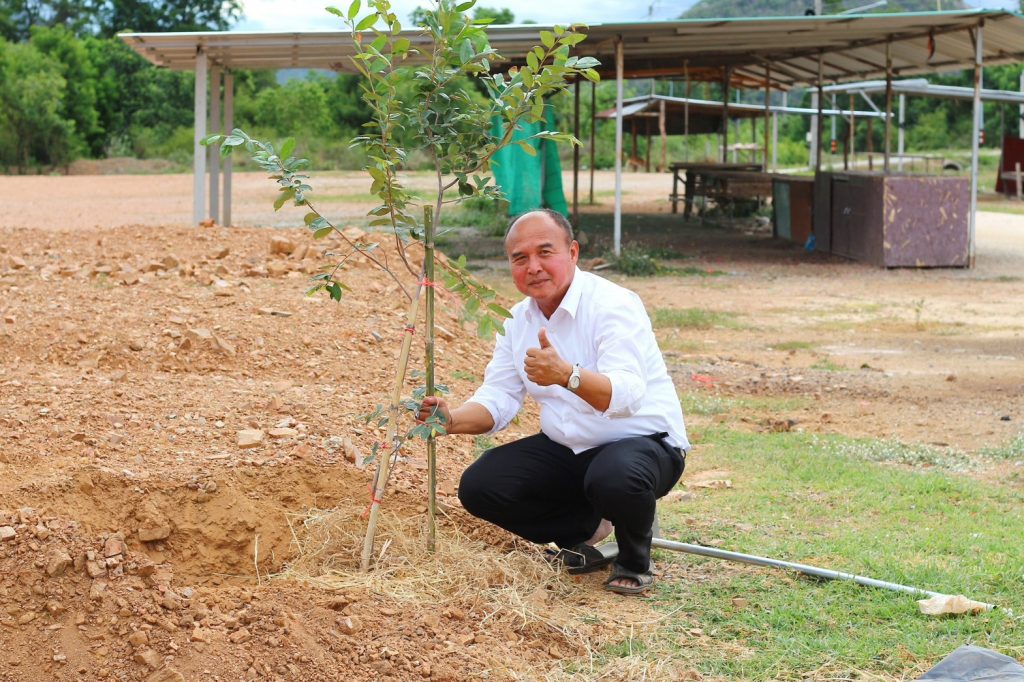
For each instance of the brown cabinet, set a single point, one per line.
(893, 220)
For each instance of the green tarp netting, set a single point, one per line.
(529, 182)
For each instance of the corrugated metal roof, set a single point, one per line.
(852, 47)
(925, 89)
(705, 116)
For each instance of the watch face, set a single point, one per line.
(574, 378)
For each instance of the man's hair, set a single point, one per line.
(555, 217)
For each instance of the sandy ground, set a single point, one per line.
(135, 349)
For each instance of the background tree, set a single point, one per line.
(78, 104)
(144, 16)
(31, 90)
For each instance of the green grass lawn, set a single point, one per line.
(827, 503)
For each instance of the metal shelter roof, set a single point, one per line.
(706, 115)
(851, 47)
(922, 87)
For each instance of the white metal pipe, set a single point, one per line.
(813, 144)
(229, 125)
(899, 132)
(213, 151)
(975, 132)
(821, 103)
(198, 150)
(826, 573)
(619, 68)
(767, 111)
(888, 102)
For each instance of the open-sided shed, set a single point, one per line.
(769, 53)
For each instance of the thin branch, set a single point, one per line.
(362, 251)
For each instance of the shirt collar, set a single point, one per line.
(570, 302)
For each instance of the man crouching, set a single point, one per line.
(612, 437)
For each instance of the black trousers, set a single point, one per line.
(544, 492)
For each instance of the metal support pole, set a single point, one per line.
(818, 118)
(686, 112)
(801, 568)
(725, 114)
(888, 102)
(975, 132)
(593, 135)
(832, 138)
(813, 143)
(853, 134)
(775, 132)
(617, 221)
(229, 125)
(900, 146)
(1021, 108)
(213, 151)
(198, 150)
(663, 133)
(576, 155)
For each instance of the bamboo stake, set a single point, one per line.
(384, 458)
(428, 270)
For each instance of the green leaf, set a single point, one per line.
(573, 39)
(547, 39)
(286, 194)
(309, 218)
(499, 310)
(531, 61)
(465, 6)
(211, 139)
(287, 148)
(465, 51)
(353, 9)
(401, 46)
(335, 11)
(528, 148)
(366, 22)
(322, 232)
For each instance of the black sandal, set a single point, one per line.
(584, 558)
(644, 581)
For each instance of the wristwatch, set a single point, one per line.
(574, 379)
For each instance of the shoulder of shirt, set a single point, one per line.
(601, 291)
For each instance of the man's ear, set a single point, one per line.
(574, 251)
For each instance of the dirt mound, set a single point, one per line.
(182, 481)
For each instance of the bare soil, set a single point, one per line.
(148, 545)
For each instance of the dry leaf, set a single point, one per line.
(944, 604)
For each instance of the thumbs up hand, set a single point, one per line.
(544, 366)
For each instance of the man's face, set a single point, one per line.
(542, 260)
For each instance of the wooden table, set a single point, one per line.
(699, 178)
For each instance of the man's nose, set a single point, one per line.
(533, 264)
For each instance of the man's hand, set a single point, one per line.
(544, 366)
(434, 406)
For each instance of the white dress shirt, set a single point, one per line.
(604, 328)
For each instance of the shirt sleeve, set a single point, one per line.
(502, 392)
(623, 334)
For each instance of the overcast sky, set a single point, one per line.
(309, 15)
